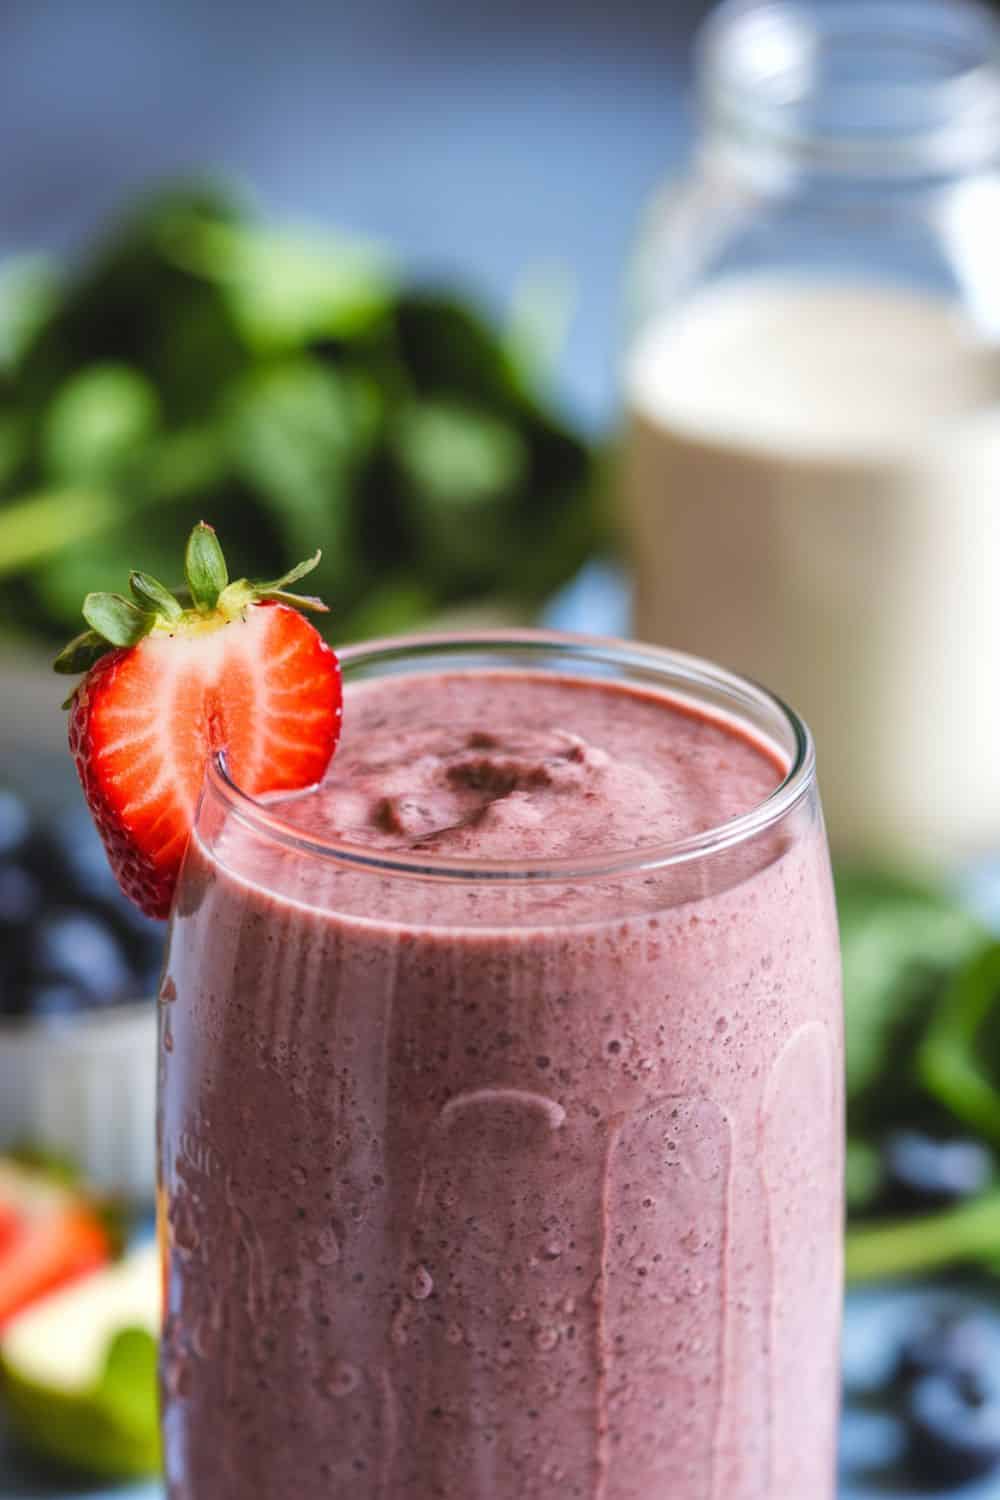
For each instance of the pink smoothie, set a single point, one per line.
(506, 1190)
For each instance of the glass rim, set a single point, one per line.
(683, 670)
(948, 123)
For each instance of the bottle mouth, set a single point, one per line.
(878, 87)
(718, 693)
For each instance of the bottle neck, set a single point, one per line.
(863, 92)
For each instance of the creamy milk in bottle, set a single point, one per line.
(810, 481)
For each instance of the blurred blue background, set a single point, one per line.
(479, 141)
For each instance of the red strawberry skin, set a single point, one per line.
(263, 686)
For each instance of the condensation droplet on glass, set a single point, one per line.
(327, 1247)
(341, 1379)
(178, 1377)
(552, 1249)
(545, 1339)
(421, 1284)
(518, 1314)
(168, 1039)
(454, 1334)
(398, 1332)
(168, 991)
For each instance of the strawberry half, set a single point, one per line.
(168, 684)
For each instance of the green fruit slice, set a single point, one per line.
(79, 1371)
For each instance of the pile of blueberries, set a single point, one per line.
(69, 940)
(945, 1379)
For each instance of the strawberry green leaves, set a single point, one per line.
(117, 621)
(205, 567)
(149, 593)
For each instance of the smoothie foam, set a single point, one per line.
(506, 1191)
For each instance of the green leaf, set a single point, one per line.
(205, 567)
(458, 456)
(909, 1247)
(299, 434)
(150, 594)
(29, 289)
(537, 328)
(97, 420)
(863, 1172)
(899, 940)
(308, 602)
(116, 618)
(958, 1058)
(463, 470)
(393, 606)
(81, 653)
(35, 527)
(286, 289)
(449, 349)
(127, 1390)
(293, 575)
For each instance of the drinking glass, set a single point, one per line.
(502, 1180)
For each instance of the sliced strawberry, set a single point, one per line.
(242, 671)
(47, 1253)
(51, 1235)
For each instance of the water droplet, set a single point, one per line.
(552, 1249)
(453, 1333)
(421, 1284)
(545, 1339)
(168, 991)
(721, 1024)
(204, 1338)
(614, 1046)
(326, 1249)
(398, 1331)
(447, 1197)
(518, 1314)
(299, 1175)
(178, 1377)
(569, 1306)
(341, 1379)
(184, 1234)
(168, 1039)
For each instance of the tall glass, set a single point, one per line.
(506, 1181)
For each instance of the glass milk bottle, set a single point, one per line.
(811, 469)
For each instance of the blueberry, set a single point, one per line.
(55, 1002)
(953, 1427)
(141, 937)
(82, 861)
(80, 948)
(15, 824)
(921, 1172)
(955, 1343)
(20, 899)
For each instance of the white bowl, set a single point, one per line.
(85, 1088)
